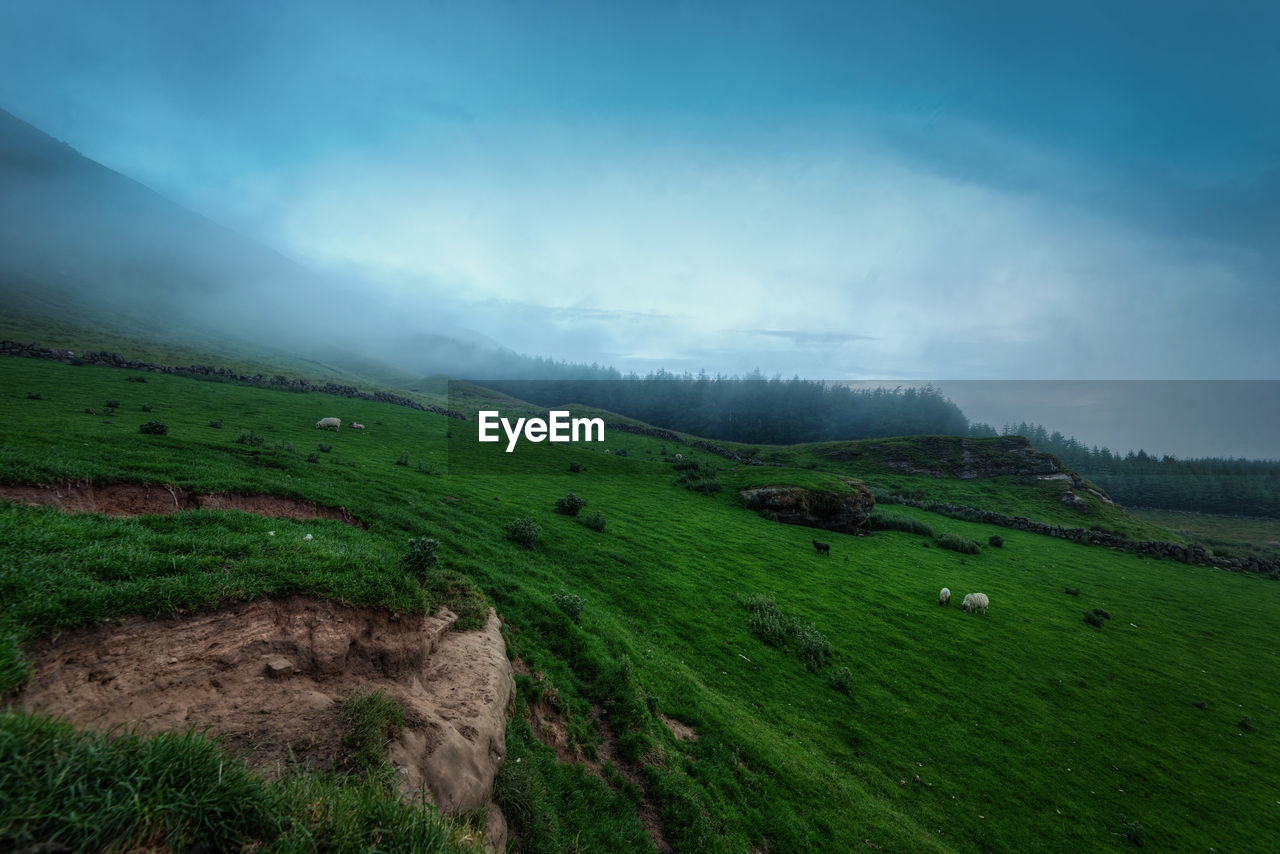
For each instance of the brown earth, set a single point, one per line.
(135, 499)
(268, 676)
(548, 725)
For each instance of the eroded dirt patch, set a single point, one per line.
(136, 499)
(268, 677)
(548, 725)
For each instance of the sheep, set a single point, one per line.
(329, 424)
(356, 425)
(944, 597)
(822, 548)
(679, 456)
(974, 602)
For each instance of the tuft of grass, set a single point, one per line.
(957, 543)
(371, 720)
(897, 522)
(250, 438)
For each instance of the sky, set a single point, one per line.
(915, 190)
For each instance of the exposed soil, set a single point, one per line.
(268, 676)
(135, 499)
(549, 727)
(682, 731)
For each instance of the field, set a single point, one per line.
(1023, 729)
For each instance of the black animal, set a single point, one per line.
(823, 548)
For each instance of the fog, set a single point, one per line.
(987, 191)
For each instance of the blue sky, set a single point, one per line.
(843, 190)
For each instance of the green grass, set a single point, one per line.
(371, 720)
(1232, 536)
(1028, 728)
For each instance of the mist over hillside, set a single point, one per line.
(83, 239)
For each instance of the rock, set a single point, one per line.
(278, 667)
(1075, 502)
(845, 512)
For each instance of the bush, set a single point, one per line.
(571, 603)
(135, 379)
(813, 648)
(313, 457)
(575, 467)
(697, 476)
(570, 505)
(216, 423)
(1134, 833)
(421, 557)
(154, 428)
(524, 531)
(90, 411)
(146, 407)
(323, 448)
(1073, 591)
(250, 438)
(1101, 613)
(403, 459)
(769, 626)
(995, 541)
(1092, 619)
(34, 395)
(287, 447)
(956, 543)
(897, 522)
(595, 521)
(112, 404)
(842, 681)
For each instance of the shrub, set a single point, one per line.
(323, 448)
(216, 423)
(1101, 613)
(813, 648)
(842, 681)
(652, 703)
(34, 395)
(154, 428)
(571, 603)
(1133, 832)
(421, 557)
(250, 438)
(403, 459)
(575, 467)
(135, 379)
(570, 505)
(995, 541)
(146, 407)
(313, 457)
(897, 522)
(1092, 619)
(287, 447)
(622, 452)
(112, 404)
(90, 411)
(595, 521)
(524, 531)
(956, 543)
(769, 626)
(1073, 591)
(697, 476)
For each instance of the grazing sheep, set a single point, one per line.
(944, 597)
(356, 425)
(823, 548)
(679, 456)
(974, 602)
(329, 424)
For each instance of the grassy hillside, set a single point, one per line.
(1027, 728)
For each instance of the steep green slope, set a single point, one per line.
(1027, 727)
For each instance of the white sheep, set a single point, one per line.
(679, 456)
(329, 424)
(974, 602)
(944, 597)
(356, 425)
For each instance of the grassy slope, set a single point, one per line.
(1028, 728)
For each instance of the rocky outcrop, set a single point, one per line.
(844, 512)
